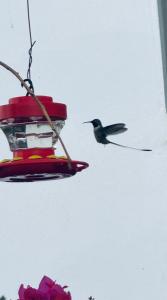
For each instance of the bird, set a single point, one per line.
(101, 133)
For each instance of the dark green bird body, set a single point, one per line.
(101, 132)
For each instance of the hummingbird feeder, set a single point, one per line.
(32, 141)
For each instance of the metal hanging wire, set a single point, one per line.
(28, 79)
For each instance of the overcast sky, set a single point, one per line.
(103, 232)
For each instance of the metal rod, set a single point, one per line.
(162, 12)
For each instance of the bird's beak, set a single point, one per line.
(87, 122)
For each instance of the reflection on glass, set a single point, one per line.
(31, 135)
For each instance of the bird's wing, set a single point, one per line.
(115, 129)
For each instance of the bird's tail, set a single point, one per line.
(130, 147)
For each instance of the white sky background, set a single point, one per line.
(104, 231)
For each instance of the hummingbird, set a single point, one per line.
(101, 133)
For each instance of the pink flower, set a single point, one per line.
(47, 290)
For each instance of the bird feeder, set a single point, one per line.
(32, 141)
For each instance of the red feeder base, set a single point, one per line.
(28, 170)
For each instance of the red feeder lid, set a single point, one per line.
(26, 107)
(28, 170)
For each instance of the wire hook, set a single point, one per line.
(31, 87)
